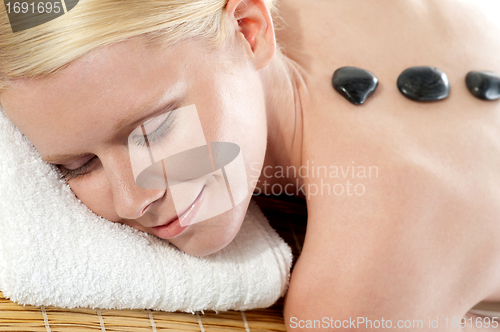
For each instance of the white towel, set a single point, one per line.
(55, 251)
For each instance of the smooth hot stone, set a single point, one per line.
(483, 84)
(355, 84)
(424, 83)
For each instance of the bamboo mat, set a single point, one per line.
(287, 215)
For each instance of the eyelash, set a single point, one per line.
(158, 134)
(70, 174)
(152, 138)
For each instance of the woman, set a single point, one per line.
(403, 197)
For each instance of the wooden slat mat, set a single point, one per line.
(287, 215)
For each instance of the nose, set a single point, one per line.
(130, 200)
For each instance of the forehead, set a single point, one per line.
(97, 90)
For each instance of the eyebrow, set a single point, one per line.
(54, 159)
(150, 110)
(174, 91)
(123, 122)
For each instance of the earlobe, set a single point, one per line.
(253, 21)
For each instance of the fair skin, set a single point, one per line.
(76, 114)
(422, 241)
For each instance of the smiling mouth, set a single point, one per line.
(189, 208)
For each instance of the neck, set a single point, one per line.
(287, 98)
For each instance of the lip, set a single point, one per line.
(173, 227)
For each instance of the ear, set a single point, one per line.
(254, 25)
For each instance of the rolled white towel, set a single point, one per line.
(55, 251)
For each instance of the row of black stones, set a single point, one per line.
(422, 83)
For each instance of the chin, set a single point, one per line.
(204, 251)
(214, 234)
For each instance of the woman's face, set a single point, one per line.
(81, 119)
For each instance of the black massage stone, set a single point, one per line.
(483, 84)
(424, 83)
(355, 84)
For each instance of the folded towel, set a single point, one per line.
(55, 251)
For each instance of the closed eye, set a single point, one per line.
(155, 136)
(70, 174)
(141, 140)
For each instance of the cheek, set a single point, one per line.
(95, 192)
(247, 128)
(245, 125)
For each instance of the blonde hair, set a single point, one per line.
(45, 49)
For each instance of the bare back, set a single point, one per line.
(424, 236)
